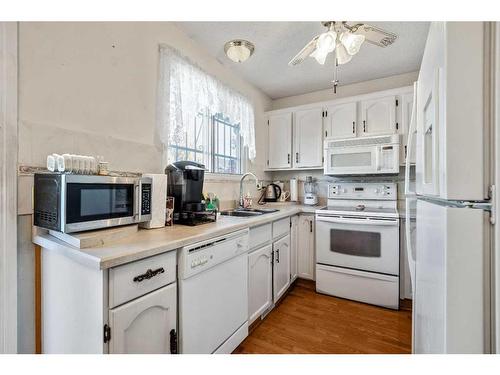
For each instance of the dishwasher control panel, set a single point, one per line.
(201, 256)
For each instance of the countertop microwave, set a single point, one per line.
(362, 156)
(73, 203)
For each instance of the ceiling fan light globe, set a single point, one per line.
(320, 56)
(342, 56)
(326, 42)
(352, 42)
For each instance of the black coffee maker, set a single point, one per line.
(185, 184)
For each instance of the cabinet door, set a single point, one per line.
(305, 254)
(281, 268)
(260, 282)
(378, 116)
(308, 138)
(294, 245)
(340, 121)
(144, 325)
(406, 111)
(280, 141)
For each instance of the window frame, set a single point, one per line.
(209, 154)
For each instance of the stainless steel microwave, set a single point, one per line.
(74, 203)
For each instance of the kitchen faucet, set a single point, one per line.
(241, 203)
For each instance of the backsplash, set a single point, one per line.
(323, 181)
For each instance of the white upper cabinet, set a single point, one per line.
(340, 121)
(378, 116)
(308, 138)
(280, 140)
(406, 111)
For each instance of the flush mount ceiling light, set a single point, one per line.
(345, 40)
(239, 50)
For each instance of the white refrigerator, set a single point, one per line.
(449, 257)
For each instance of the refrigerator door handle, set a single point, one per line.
(409, 144)
(410, 252)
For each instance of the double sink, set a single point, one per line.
(248, 212)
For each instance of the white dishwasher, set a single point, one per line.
(213, 294)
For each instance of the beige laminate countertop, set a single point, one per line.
(148, 242)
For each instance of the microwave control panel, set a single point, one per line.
(146, 199)
(364, 190)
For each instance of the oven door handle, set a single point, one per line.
(337, 220)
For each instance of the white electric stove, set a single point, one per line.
(357, 243)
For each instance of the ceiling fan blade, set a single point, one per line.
(373, 34)
(304, 52)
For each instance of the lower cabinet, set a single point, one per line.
(281, 267)
(146, 325)
(260, 282)
(305, 248)
(294, 245)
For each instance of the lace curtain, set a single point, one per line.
(185, 90)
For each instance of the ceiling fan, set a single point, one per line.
(345, 40)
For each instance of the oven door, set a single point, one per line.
(368, 244)
(93, 202)
(351, 160)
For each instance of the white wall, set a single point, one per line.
(359, 88)
(90, 88)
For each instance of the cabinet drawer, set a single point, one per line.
(135, 279)
(260, 235)
(281, 227)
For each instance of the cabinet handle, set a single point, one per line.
(278, 256)
(288, 158)
(364, 126)
(406, 151)
(296, 157)
(353, 127)
(148, 275)
(173, 342)
(311, 226)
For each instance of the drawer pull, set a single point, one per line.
(148, 275)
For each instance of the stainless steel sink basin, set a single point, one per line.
(248, 212)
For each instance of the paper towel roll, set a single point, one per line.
(294, 190)
(158, 201)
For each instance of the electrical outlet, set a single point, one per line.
(259, 185)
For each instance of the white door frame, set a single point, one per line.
(8, 187)
(496, 256)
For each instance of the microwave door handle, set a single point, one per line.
(136, 201)
(357, 221)
(378, 150)
(409, 142)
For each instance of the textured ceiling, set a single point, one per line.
(277, 42)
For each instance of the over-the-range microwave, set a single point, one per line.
(73, 203)
(362, 156)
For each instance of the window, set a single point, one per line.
(201, 119)
(213, 140)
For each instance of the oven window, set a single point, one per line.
(355, 159)
(88, 202)
(357, 243)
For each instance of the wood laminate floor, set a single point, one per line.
(309, 322)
